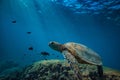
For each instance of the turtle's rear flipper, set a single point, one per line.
(100, 71)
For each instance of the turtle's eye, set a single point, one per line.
(52, 42)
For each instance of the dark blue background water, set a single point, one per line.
(48, 21)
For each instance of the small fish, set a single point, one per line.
(45, 53)
(30, 48)
(28, 32)
(14, 21)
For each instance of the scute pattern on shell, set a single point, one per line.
(84, 53)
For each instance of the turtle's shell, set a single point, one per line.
(83, 54)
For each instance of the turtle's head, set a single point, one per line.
(56, 46)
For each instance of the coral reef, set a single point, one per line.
(48, 70)
(60, 70)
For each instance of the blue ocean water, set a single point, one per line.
(27, 26)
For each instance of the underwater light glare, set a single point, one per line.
(24, 3)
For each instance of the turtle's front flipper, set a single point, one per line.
(100, 71)
(73, 64)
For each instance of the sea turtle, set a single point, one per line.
(78, 53)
